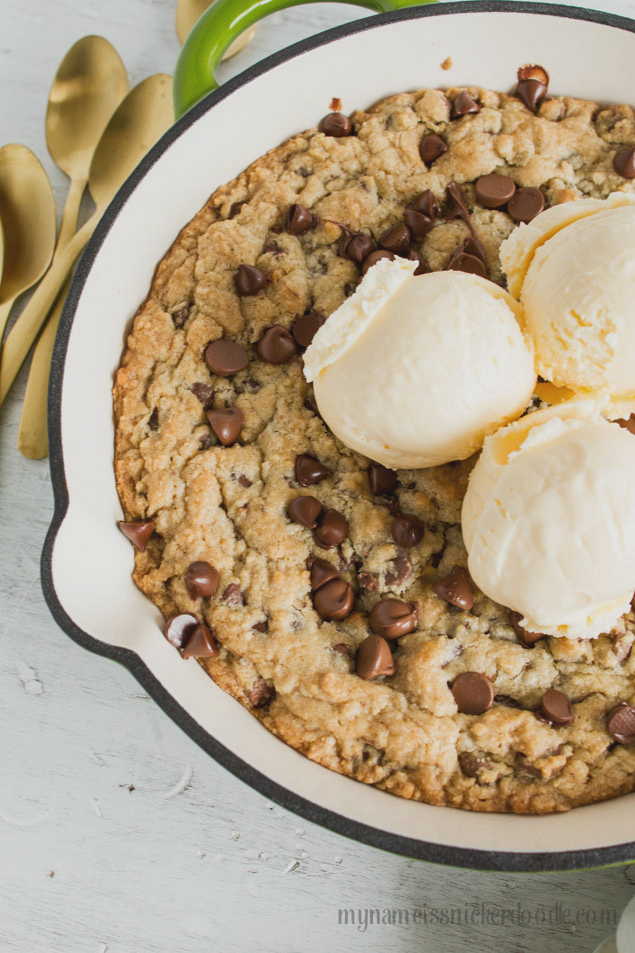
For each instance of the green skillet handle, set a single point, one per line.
(219, 26)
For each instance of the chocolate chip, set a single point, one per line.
(471, 765)
(200, 644)
(528, 639)
(181, 315)
(203, 392)
(205, 441)
(525, 204)
(494, 190)
(334, 600)
(356, 246)
(273, 248)
(400, 572)
(137, 531)
(407, 530)
(233, 596)
(531, 92)
(201, 579)
(306, 326)
(464, 104)
(309, 470)
(456, 588)
(374, 658)
(305, 510)
(396, 239)
(260, 693)
(244, 481)
(235, 209)
(624, 162)
(419, 225)
(341, 648)
(533, 72)
(426, 203)
(381, 479)
(337, 125)
(368, 581)
(392, 618)
(374, 257)
(322, 572)
(423, 268)
(556, 707)
(299, 220)
(249, 280)
(473, 693)
(179, 628)
(470, 264)
(432, 147)
(628, 424)
(226, 424)
(225, 357)
(620, 723)
(153, 420)
(260, 626)
(331, 530)
(456, 203)
(276, 346)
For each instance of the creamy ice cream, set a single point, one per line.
(549, 520)
(414, 372)
(573, 268)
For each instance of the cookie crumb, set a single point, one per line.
(447, 63)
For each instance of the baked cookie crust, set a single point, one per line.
(228, 504)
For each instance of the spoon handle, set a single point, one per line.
(32, 429)
(32, 432)
(26, 328)
(5, 311)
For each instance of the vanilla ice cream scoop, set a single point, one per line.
(573, 268)
(549, 520)
(415, 371)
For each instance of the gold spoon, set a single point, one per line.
(189, 11)
(27, 212)
(143, 116)
(89, 85)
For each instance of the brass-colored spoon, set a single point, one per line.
(29, 220)
(189, 11)
(143, 116)
(88, 86)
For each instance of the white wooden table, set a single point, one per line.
(116, 832)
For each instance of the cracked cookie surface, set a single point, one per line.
(228, 504)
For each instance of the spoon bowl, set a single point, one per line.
(27, 213)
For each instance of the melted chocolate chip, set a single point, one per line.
(494, 190)
(396, 240)
(628, 424)
(337, 125)
(299, 220)
(276, 346)
(260, 693)
(225, 357)
(201, 579)
(620, 724)
(528, 639)
(381, 479)
(525, 204)
(392, 618)
(334, 600)
(203, 392)
(153, 420)
(306, 326)
(367, 581)
(305, 510)
(473, 693)
(374, 257)
(432, 147)
(469, 264)
(232, 596)
(356, 247)
(309, 470)
(426, 203)
(374, 658)
(531, 93)
(407, 530)
(322, 572)
(456, 203)
(226, 424)
(556, 707)
(463, 105)
(400, 571)
(201, 644)
(624, 162)
(179, 629)
(249, 280)
(418, 224)
(331, 530)
(456, 588)
(137, 531)
(471, 765)
(423, 268)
